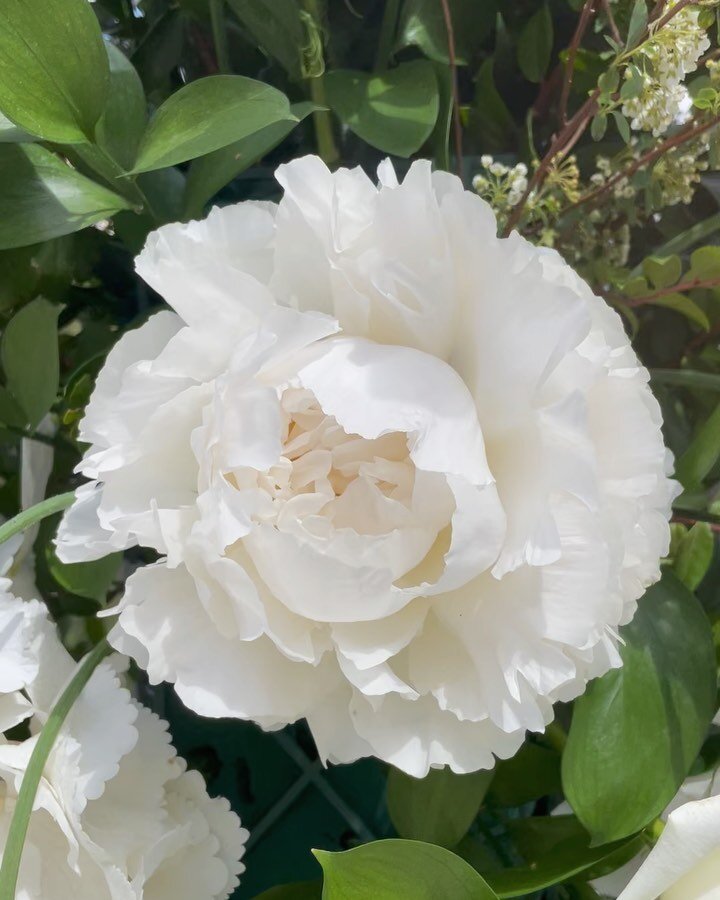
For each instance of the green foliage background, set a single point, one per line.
(119, 116)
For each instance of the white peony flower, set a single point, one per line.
(685, 862)
(407, 478)
(116, 816)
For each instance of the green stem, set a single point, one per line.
(387, 34)
(36, 765)
(556, 737)
(321, 117)
(36, 513)
(219, 31)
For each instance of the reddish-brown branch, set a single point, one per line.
(647, 159)
(614, 30)
(457, 126)
(560, 146)
(683, 287)
(686, 520)
(671, 13)
(588, 11)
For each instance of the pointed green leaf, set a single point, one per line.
(535, 45)
(42, 197)
(53, 68)
(636, 732)
(394, 111)
(277, 27)
(206, 115)
(705, 263)
(682, 304)
(638, 23)
(388, 870)
(30, 360)
(123, 120)
(422, 24)
(439, 808)
(211, 172)
(694, 555)
(696, 462)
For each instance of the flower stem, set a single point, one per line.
(28, 789)
(34, 514)
(321, 117)
(387, 34)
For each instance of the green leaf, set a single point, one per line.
(632, 86)
(123, 120)
(277, 26)
(29, 352)
(439, 808)
(694, 555)
(422, 24)
(11, 134)
(622, 126)
(91, 580)
(598, 127)
(661, 271)
(213, 171)
(687, 378)
(535, 45)
(532, 773)
(556, 849)
(702, 454)
(637, 730)
(208, 114)
(705, 263)
(394, 111)
(10, 412)
(53, 68)
(388, 870)
(638, 24)
(490, 122)
(42, 197)
(682, 304)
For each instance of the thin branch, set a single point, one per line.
(686, 520)
(588, 11)
(683, 287)
(560, 146)
(671, 13)
(687, 134)
(457, 127)
(614, 30)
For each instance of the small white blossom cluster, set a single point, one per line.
(502, 186)
(678, 174)
(664, 60)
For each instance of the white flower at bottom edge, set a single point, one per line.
(407, 477)
(116, 816)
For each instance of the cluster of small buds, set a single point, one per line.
(502, 186)
(622, 189)
(664, 60)
(678, 173)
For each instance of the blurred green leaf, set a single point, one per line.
(556, 849)
(662, 271)
(388, 870)
(10, 411)
(702, 454)
(490, 121)
(535, 45)
(10, 133)
(682, 304)
(208, 114)
(211, 172)
(394, 111)
(638, 23)
(91, 580)
(277, 26)
(29, 352)
(532, 773)
(705, 263)
(160, 50)
(53, 68)
(439, 808)
(694, 555)
(687, 378)
(637, 730)
(42, 197)
(422, 24)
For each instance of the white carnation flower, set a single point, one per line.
(407, 478)
(116, 816)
